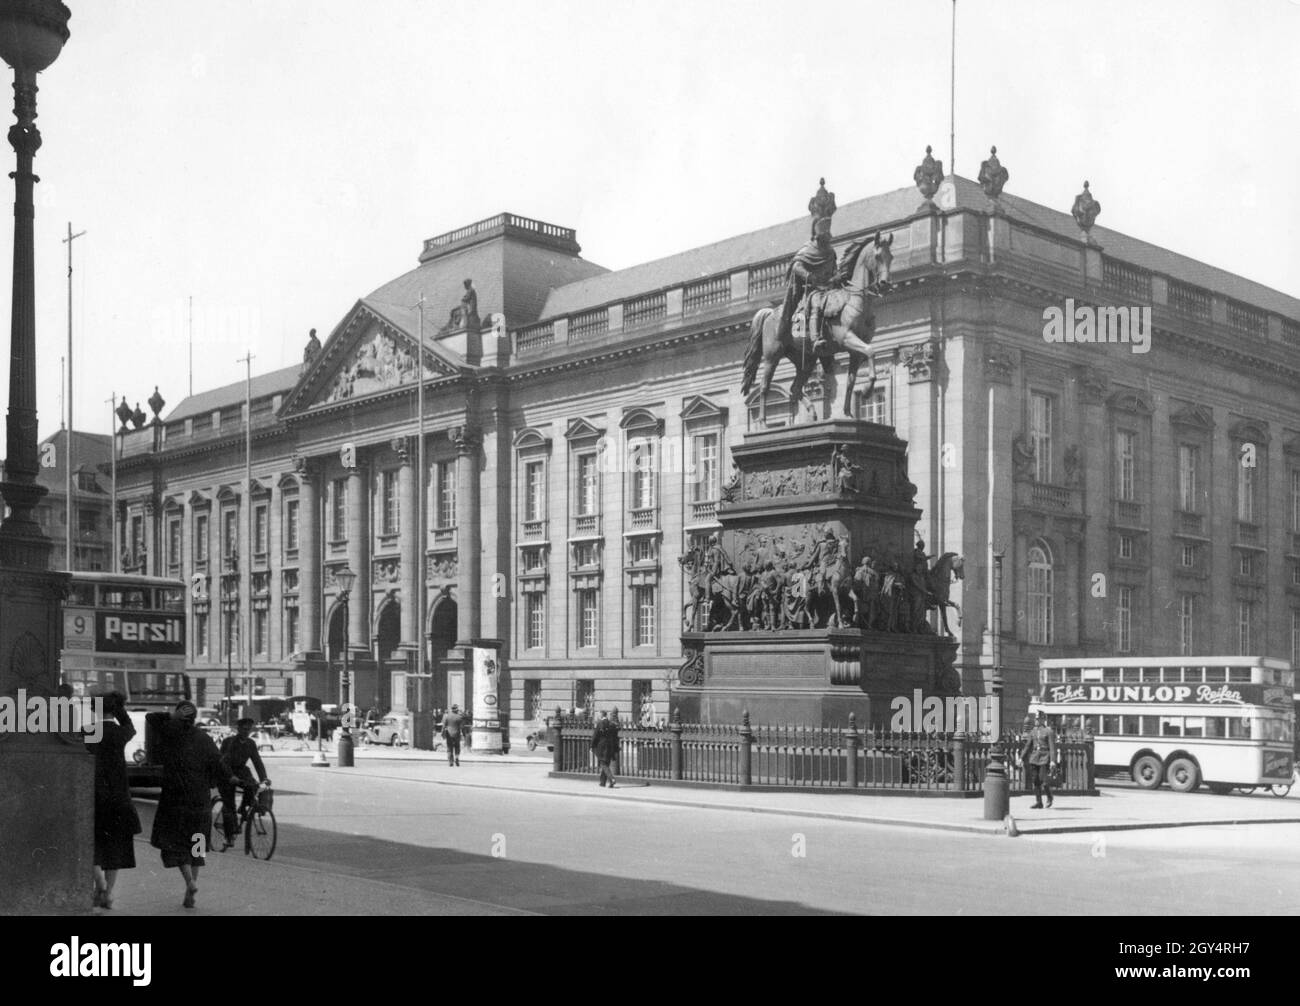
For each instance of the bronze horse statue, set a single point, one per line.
(850, 325)
(947, 568)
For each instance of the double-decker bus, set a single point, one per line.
(1223, 721)
(126, 633)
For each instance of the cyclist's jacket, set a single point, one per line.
(237, 751)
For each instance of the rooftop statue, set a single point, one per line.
(993, 176)
(928, 175)
(1085, 209)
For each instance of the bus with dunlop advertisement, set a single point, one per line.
(125, 633)
(1225, 722)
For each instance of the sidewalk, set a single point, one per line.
(1115, 809)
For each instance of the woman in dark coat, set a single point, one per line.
(116, 822)
(192, 766)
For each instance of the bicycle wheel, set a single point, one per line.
(217, 837)
(260, 834)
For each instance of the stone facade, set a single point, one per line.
(578, 440)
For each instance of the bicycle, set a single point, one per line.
(255, 818)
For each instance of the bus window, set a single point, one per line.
(1093, 674)
(1131, 675)
(1288, 680)
(1111, 674)
(1090, 723)
(1216, 675)
(1239, 727)
(1274, 729)
(1150, 726)
(1073, 675)
(124, 597)
(1151, 675)
(1171, 675)
(171, 599)
(81, 594)
(1132, 726)
(1110, 725)
(1171, 726)
(1194, 726)
(1215, 727)
(1238, 674)
(1193, 675)
(1053, 675)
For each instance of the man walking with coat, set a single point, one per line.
(451, 727)
(604, 744)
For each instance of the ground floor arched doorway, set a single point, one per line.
(448, 675)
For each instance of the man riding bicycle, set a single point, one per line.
(236, 753)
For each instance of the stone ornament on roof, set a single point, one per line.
(993, 176)
(928, 175)
(1085, 210)
(312, 347)
(156, 403)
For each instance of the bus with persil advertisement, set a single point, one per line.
(125, 633)
(1225, 722)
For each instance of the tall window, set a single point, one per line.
(173, 544)
(1040, 435)
(643, 474)
(1189, 460)
(588, 486)
(338, 509)
(445, 515)
(200, 632)
(1186, 625)
(229, 533)
(534, 490)
(229, 634)
(292, 630)
(646, 616)
(874, 408)
(137, 538)
(200, 537)
(1040, 595)
(1245, 491)
(1245, 627)
(588, 618)
(535, 630)
(533, 699)
(1124, 619)
(704, 463)
(1125, 456)
(259, 632)
(390, 503)
(291, 526)
(261, 524)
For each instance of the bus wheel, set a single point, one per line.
(1184, 776)
(1280, 789)
(1148, 772)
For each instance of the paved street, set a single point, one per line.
(417, 837)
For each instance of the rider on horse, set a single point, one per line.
(812, 273)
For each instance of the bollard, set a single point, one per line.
(959, 761)
(557, 735)
(997, 789)
(746, 750)
(852, 742)
(675, 761)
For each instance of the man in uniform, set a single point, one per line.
(236, 753)
(451, 727)
(1038, 756)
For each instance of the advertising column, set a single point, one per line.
(485, 734)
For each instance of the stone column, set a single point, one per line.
(409, 543)
(468, 537)
(308, 558)
(358, 559)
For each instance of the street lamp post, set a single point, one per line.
(32, 766)
(346, 578)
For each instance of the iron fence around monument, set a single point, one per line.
(817, 758)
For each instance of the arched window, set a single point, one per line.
(1040, 593)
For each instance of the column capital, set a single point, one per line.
(922, 361)
(467, 440)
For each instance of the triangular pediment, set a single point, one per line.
(1196, 417)
(698, 407)
(1249, 430)
(583, 429)
(1131, 400)
(366, 355)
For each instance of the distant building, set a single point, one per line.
(1146, 502)
(91, 511)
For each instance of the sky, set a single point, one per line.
(277, 160)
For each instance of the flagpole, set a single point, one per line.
(69, 509)
(113, 559)
(248, 518)
(421, 533)
(952, 98)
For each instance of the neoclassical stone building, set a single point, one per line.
(578, 423)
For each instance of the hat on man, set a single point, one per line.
(187, 710)
(455, 708)
(247, 721)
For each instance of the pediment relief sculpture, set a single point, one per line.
(379, 363)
